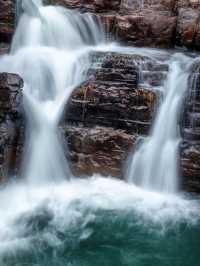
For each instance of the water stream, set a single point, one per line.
(154, 165)
(50, 218)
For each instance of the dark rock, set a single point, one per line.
(11, 124)
(89, 5)
(190, 165)
(190, 131)
(7, 20)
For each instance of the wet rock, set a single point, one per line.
(190, 131)
(89, 5)
(108, 113)
(155, 23)
(190, 165)
(112, 97)
(113, 105)
(129, 6)
(100, 150)
(11, 124)
(146, 29)
(188, 28)
(4, 48)
(7, 20)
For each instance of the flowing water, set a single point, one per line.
(49, 218)
(159, 153)
(52, 64)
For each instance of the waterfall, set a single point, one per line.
(50, 51)
(154, 165)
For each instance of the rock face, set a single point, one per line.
(190, 146)
(7, 20)
(101, 150)
(108, 113)
(11, 124)
(157, 23)
(188, 24)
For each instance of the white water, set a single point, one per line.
(154, 165)
(73, 205)
(50, 51)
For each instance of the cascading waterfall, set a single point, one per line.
(49, 50)
(154, 165)
(95, 221)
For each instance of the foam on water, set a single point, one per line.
(67, 202)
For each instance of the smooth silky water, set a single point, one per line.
(50, 218)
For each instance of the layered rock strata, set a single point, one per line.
(107, 114)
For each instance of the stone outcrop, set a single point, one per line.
(107, 114)
(190, 146)
(11, 124)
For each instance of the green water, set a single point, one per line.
(111, 238)
(98, 229)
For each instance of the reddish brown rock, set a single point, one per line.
(130, 6)
(111, 97)
(108, 113)
(11, 124)
(155, 23)
(146, 29)
(101, 150)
